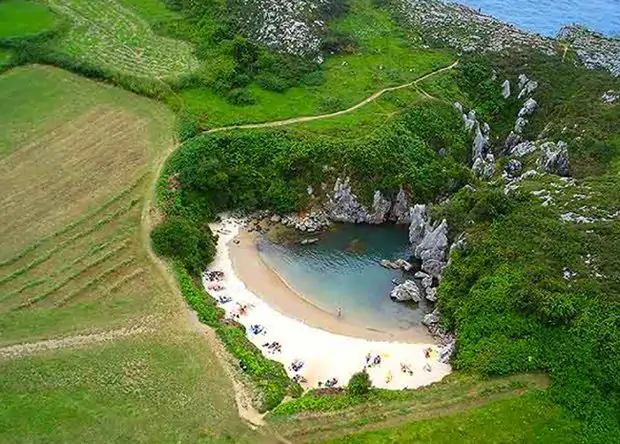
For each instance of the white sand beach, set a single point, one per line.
(327, 346)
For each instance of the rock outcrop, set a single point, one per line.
(343, 206)
(593, 49)
(513, 168)
(484, 168)
(418, 224)
(610, 96)
(554, 158)
(400, 209)
(506, 89)
(380, 209)
(407, 291)
(431, 250)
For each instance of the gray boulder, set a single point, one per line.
(528, 108)
(431, 318)
(610, 96)
(520, 125)
(431, 294)
(400, 209)
(469, 120)
(433, 267)
(407, 291)
(481, 142)
(523, 149)
(343, 206)
(418, 225)
(554, 158)
(513, 168)
(512, 140)
(484, 168)
(506, 89)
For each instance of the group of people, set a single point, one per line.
(406, 368)
(372, 361)
(273, 347)
(333, 382)
(257, 329)
(296, 365)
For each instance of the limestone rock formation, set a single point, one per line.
(523, 149)
(343, 206)
(400, 209)
(554, 158)
(380, 209)
(513, 168)
(418, 224)
(528, 108)
(506, 89)
(407, 291)
(484, 168)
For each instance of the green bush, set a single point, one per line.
(181, 239)
(359, 384)
(240, 97)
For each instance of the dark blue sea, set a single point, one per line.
(546, 17)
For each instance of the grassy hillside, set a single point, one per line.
(77, 162)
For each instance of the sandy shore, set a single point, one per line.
(329, 346)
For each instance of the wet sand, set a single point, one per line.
(265, 282)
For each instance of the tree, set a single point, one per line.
(359, 384)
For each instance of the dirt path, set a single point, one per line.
(366, 101)
(21, 350)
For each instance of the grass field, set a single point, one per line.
(20, 19)
(109, 36)
(77, 163)
(463, 409)
(72, 255)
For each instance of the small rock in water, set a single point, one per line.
(312, 240)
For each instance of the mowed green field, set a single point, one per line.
(95, 345)
(20, 18)
(111, 37)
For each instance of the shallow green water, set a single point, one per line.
(342, 271)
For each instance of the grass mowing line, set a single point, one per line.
(70, 278)
(73, 224)
(96, 280)
(122, 281)
(91, 251)
(30, 284)
(100, 223)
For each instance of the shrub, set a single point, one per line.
(359, 384)
(180, 239)
(240, 97)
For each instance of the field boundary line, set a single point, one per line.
(30, 348)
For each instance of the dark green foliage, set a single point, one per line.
(269, 377)
(178, 238)
(272, 169)
(240, 96)
(512, 310)
(188, 125)
(359, 384)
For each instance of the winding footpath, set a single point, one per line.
(366, 101)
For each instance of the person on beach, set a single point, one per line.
(339, 311)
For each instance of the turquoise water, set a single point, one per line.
(342, 271)
(548, 16)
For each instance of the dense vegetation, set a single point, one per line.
(529, 291)
(424, 151)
